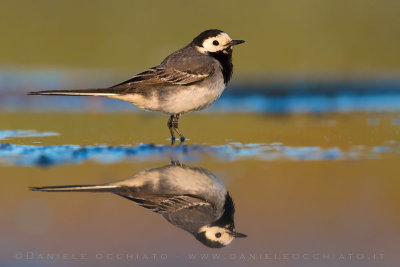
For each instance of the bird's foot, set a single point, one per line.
(173, 139)
(181, 139)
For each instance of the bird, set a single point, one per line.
(190, 79)
(191, 198)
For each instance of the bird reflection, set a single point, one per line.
(191, 198)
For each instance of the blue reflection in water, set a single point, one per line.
(71, 154)
(257, 103)
(5, 134)
(272, 95)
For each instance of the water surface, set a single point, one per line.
(325, 185)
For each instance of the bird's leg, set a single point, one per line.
(171, 128)
(175, 126)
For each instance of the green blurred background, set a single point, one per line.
(309, 37)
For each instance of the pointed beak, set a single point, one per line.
(239, 235)
(237, 42)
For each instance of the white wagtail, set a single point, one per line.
(189, 79)
(191, 198)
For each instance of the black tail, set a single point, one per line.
(93, 92)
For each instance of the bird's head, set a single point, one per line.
(217, 236)
(214, 41)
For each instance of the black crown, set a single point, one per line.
(198, 41)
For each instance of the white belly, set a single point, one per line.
(191, 98)
(178, 100)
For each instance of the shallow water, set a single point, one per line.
(318, 189)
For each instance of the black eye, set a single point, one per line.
(217, 235)
(216, 43)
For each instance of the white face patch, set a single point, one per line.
(215, 44)
(217, 234)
